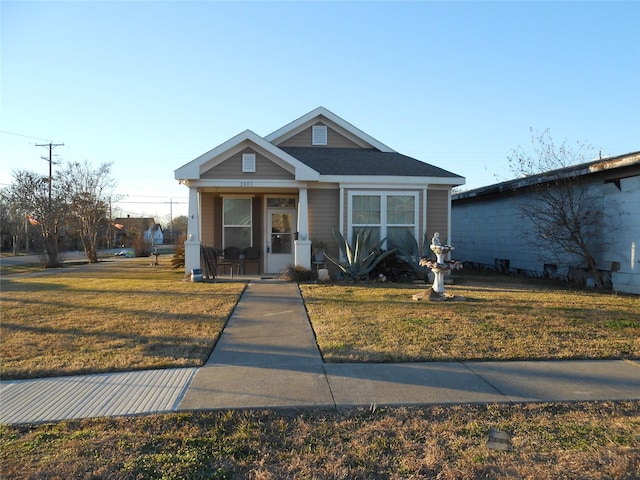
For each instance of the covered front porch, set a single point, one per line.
(265, 229)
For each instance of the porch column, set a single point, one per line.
(192, 244)
(303, 243)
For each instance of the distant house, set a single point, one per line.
(488, 225)
(314, 175)
(126, 229)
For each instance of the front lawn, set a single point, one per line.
(122, 314)
(497, 318)
(599, 440)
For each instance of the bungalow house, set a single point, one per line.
(297, 185)
(490, 228)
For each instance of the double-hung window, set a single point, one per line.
(385, 214)
(366, 215)
(236, 222)
(401, 218)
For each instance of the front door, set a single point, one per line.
(280, 238)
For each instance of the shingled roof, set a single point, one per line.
(355, 161)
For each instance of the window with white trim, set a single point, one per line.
(236, 222)
(319, 135)
(386, 214)
(248, 162)
(366, 215)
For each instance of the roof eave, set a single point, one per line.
(595, 166)
(392, 180)
(282, 132)
(192, 170)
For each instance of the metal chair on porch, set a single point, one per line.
(251, 255)
(231, 257)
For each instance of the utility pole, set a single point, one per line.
(171, 220)
(51, 146)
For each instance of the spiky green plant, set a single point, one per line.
(412, 253)
(360, 257)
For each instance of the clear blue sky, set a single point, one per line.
(152, 85)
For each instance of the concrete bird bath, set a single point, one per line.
(439, 267)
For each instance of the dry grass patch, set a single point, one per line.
(499, 320)
(119, 315)
(548, 441)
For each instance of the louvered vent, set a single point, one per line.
(248, 162)
(319, 135)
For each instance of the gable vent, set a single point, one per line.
(319, 135)
(248, 162)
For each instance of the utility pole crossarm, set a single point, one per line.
(51, 146)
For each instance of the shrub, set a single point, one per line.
(394, 269)
(177, 260)
(297, 273)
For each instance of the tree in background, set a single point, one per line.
(180, 227)
(566, 220)
(12, 222)
(44, 207)
(87, 193)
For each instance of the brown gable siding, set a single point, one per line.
(438, 213)
(206, 219)
(334, 140)
(232, 168)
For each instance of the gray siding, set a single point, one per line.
(232, 168)
(624, 246)
(324, 207)
(438, 213)
(492, 230)
(334, 140)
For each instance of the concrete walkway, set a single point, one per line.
(268, 357)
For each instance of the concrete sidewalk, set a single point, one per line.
(268, 357)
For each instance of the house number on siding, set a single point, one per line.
(246, 184)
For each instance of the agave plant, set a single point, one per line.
(412, 253)
(360, 257)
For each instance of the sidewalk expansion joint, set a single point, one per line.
(500, 392)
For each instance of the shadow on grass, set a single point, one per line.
(170, 350)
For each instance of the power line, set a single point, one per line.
(21, 135)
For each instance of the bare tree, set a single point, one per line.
(567, 220)
(12, 219)
(180, 225)
(87, 192)
(29, 193)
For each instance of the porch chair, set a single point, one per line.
(251, 255)
(231, 258)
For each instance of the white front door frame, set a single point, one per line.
(276, 258)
